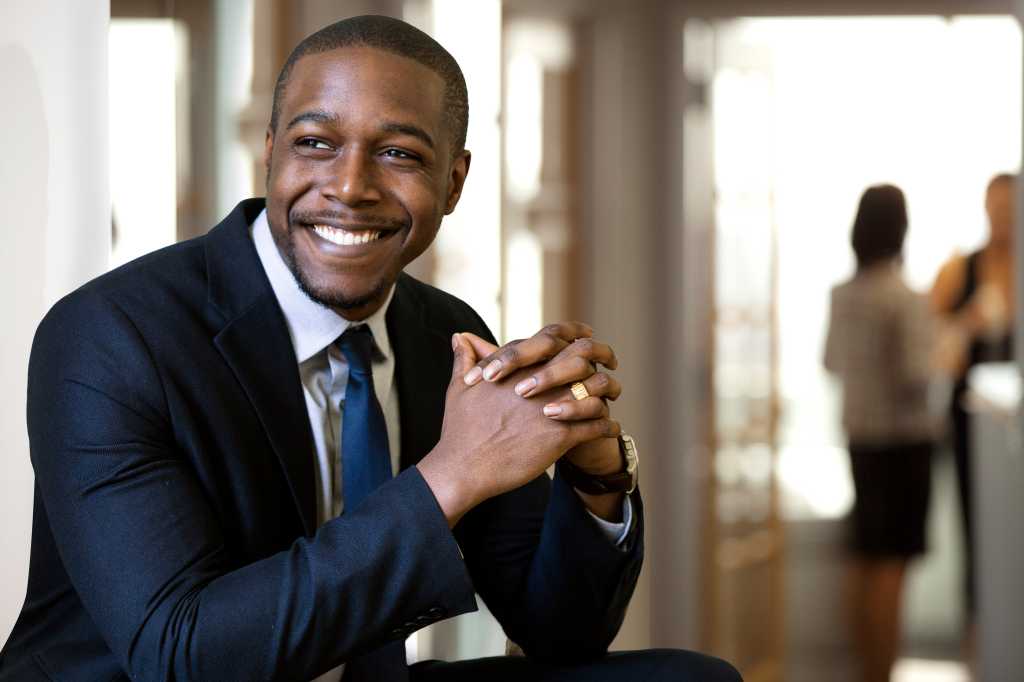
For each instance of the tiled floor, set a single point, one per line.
(920, 670)
(818, 649)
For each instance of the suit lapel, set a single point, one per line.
(423, 362)
(255, 344)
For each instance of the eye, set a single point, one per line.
(313, 143)
(400, 154)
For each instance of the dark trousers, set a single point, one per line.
(655, 665)
(962, 454)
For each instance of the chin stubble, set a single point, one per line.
(330, 299)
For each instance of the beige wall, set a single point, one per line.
(56, 217)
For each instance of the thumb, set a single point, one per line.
(465, 357)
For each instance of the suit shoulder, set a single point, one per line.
(169, 280)
(153, 281)
(172, 265)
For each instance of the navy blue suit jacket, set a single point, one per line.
(174, 532)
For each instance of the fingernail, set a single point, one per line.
(455, 342)
(552, 410)
(472, 376)
(525, 386)
(492, 369)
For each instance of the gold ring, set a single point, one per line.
(579, 391)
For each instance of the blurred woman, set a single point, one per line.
(973, 295)
(880, 345)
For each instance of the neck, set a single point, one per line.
(999, 249)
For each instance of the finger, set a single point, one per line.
(595, 351)
(482, 347)
(574, 363)
(512, 356)
(577, 410)
(555, 373)
(603, 385)
(591, 429)
(464, 356)
(569, 331)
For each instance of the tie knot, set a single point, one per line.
(356, 345)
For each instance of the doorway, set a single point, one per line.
(803, 115)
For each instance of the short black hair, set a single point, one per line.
(1001, 178)
(395, 36)
(880, 225)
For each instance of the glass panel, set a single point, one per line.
(144, 72)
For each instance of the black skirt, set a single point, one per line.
(892, 486)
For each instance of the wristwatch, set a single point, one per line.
(621, 482)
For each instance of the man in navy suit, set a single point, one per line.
(266, 453)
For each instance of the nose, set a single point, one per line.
(355, 181)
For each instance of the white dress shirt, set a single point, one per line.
(313, 329)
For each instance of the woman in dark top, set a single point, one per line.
(973, 294)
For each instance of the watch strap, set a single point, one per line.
(620, 482)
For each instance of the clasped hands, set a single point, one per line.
(509, 415)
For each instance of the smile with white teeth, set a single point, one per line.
(346, 237)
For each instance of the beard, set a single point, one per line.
(329, 298)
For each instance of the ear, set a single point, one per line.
(457, 178)
(268, 149)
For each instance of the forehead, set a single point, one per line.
(1000, 190)
(360, 83)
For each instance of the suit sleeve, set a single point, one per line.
(147, 555)
(546, 571)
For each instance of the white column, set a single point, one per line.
(56, 217)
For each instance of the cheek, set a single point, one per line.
(422, 198)
(287, 180)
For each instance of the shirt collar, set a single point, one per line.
(312, 326)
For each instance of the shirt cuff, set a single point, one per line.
(616, 532)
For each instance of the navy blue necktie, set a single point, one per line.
(365, 456)
(365, 465)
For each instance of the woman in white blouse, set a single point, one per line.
(880, 346)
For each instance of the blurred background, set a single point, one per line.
(681, 174)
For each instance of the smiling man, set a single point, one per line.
(362, 165)
(267, 453)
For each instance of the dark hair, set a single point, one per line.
(880, 225)
(1001, 178)
(395, 36)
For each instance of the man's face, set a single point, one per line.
(1000, 206)
(359, 173)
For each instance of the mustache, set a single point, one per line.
(338, 218)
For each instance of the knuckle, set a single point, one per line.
(511, 355)
(580, 364)
(582, 328)
(585, 345)
(602, 380)
(550, 342)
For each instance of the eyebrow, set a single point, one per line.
(314, 116)
(321, 116)
(408, 129)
